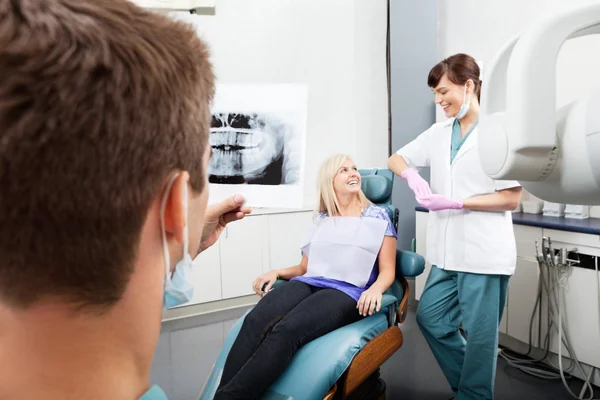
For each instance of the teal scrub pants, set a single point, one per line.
(477, 301)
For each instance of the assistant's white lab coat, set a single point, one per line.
(462, 240)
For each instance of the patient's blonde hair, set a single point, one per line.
(328, 202)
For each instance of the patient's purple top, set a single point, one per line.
(371, 211)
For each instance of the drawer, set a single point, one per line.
(526, 236)
(421, 220)
(581, 239)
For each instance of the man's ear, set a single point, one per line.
(175, 223)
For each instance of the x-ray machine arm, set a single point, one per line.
(554, 154)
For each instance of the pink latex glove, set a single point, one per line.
(416, 183)
(438, 202)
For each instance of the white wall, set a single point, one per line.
(470, 27)
(336, 47)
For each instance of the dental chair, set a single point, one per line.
(344, 364)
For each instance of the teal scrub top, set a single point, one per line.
(457, 141)
(155, 393)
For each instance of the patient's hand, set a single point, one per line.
(269, 278)
(369, 302)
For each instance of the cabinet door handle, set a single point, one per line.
(226, 231)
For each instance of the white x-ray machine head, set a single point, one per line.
(554, 154)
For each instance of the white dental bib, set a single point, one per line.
(345, 248)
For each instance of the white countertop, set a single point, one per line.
(266, 211)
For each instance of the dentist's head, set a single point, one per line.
(104, 121)
(456, 84)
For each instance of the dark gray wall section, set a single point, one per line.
(413, 36)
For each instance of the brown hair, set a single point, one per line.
(459, 68)
(100, 102)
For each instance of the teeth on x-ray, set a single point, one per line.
(233, 140)
(248, 148)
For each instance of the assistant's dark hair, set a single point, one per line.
(459, 68)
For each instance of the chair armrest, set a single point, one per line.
(389, 300)
(403, 306)
(409, 263)
(279, 282)
(391, 303)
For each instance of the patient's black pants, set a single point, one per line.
(283, 321)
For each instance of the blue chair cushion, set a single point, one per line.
(319, 364)
(377, 188)
(377, 185)
(409, 263)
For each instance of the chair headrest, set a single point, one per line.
(377, 188)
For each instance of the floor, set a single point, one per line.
(187, 349)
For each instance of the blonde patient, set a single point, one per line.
(335, 284)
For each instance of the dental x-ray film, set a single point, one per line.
(258, 136)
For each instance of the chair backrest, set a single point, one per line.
(377, 185)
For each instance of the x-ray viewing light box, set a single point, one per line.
(193, 6)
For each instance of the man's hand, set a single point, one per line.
(217, 216)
